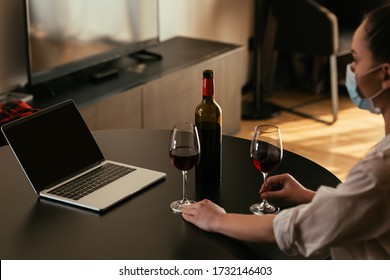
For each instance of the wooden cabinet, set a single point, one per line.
(119, 111)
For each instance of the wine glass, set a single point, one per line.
(184, 152)
(266, 154)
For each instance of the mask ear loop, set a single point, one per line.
(385, 83)
(386, 79)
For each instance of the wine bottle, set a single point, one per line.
(208, 119)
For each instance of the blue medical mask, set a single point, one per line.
(362, 103)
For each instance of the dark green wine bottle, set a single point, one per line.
(208, 120)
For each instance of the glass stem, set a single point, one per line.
(184, 185)
(265, 202)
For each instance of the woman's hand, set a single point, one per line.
(204, 214)
(211, 217)
(285, 187)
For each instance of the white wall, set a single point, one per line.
(222, 20)
(228, 21)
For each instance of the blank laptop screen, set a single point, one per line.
(53, 145)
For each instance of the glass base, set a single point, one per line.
(178, 204)
(264, 208)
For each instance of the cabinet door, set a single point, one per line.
(119, 111)
(172, 99)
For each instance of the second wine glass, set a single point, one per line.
(184, 151)
(266, 153)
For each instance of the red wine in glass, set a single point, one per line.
(184, 158)
(267, 158)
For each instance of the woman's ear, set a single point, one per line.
(386, 76)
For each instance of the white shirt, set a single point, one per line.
(353, 220)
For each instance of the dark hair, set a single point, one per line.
(378, 32)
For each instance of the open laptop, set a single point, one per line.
(62, 161)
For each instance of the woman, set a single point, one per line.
(353, 220)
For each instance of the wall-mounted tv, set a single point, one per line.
(65, 36)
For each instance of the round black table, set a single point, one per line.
(142, 226)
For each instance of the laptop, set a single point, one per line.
(62, 161)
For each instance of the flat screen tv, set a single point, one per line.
(65, 36)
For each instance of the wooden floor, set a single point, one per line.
(336, 147)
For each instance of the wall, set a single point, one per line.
(222, 20)
(13, 71)
(228, 21)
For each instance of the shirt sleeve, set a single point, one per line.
(353, 212)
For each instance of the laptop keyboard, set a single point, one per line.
(92, 181)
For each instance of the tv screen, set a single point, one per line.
(69, 35)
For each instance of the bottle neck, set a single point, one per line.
(208, 88)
